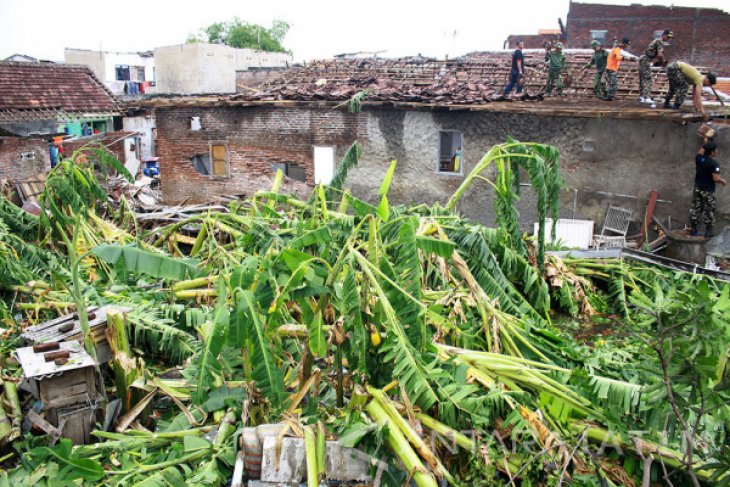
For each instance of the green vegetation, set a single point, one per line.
(444, 348)
(241, 34)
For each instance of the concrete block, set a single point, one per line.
(342, 464)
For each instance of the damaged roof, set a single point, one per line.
(30, 91)
(473, 82)
(476, 78)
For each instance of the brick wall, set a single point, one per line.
(700, 34)
(257, 137)
(534, 41)
(12, 166)
(114, 141)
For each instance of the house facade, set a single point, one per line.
(41, 100)
(123, 73)
(611, 154)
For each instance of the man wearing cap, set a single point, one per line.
(703, 197)
(654, 52)
(681, 75)
(599, 59)
(517, 73)
(557, 64)
(614, 60)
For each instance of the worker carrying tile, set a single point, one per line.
(614, 60)
(654, 54)
(703, 197)
(557, 65)
(599, 60)
(681, 75)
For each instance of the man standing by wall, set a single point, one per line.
(681, 75)
(599, 59)
(703, 198)
(654, 52)
(517, 73)
(614, 60)
(557, 64)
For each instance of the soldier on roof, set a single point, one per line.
(654, 53)
(599, 60)
(614, 60)
(557, 65)
(681, 75)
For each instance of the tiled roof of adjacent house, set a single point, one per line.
(477, 78)
(30, 91)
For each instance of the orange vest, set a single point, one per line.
(614, 59)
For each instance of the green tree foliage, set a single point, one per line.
(241, 34)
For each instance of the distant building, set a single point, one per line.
(536, 41)
(201, 68)
(20, 58)
(124, 73)
(701, 35)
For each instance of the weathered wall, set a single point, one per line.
(12, 164)
(604, 161)
(144, 125)
(95, 60)
(195, 68)
(208, 68)
(628, 159)
(257, 137)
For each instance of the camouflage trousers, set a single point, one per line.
(677, 85)
(612, 77)
(599, 84)
(645, 79)
(703, 207)
(555, 79)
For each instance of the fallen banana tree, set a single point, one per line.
(377, 324)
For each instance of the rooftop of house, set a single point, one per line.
(471, 82)
(63, 92)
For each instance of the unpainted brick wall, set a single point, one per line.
(257, 137)
(12, 166)
(701, 35)
(112, 141)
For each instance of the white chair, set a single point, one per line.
(615, 228)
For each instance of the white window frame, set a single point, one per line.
(438, 155)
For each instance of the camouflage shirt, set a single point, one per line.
(654, 48)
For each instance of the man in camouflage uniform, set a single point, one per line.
(681, 75)
(703, 197)
(599, 59)
(557, 65)
(654, 53)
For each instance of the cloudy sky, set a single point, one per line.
(320, 28)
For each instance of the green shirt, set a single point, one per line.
(556, 60)
(600, 58)
(691, 74)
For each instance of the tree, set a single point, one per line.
(242, 34)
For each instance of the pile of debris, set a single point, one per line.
(476, 78)
(390, 330)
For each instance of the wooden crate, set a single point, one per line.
(77, 423)
(76, 386)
